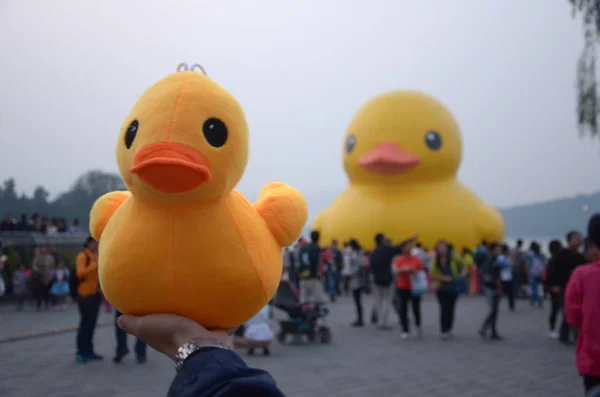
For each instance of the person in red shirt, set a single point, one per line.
(582, 311)
(404, 266)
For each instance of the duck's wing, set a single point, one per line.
(489, 224)
(284, 210)
(103, 210)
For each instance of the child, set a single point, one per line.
(19, 282)
(60, 285)
(582, 309)
(258, 331)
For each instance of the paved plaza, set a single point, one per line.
(359, 362)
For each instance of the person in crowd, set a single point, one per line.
(554, 248)
(204, 361)
(43, 263)
(123, 349)
(286, 264)
(88, 301)
(19, 284)
(404, 266)
(480, 258)
(52, 227)
(380, 261)
(421, 253)
(338, 263)
(519, 270)
(535, 270)
(565, 262)
(357, 281)
(468, 263)
(311, 290)
(60, 284)
(492, 284)
(346, 267)
(296, 257)
(329, 271)
(75, 227)
(258, 332)
(591, 252)
(506, 276)
(445, 270)
(582, 310)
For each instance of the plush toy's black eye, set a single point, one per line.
(350, 143)
(433, 140)
(215, 132)
(131, 133)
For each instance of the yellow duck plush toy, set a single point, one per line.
(401, 153)
(181, 240)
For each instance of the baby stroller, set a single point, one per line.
(307, 319)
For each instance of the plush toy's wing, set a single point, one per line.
(489, 223)
(285, 211)
(103, 210)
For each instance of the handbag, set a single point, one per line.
(458, 286)
(419, 283)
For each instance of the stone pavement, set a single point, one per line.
(359, 362)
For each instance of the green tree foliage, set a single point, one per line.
(74, 203)
(587, 104)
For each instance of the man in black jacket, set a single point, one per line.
(564, 264)
(381, 268)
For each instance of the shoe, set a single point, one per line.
(496, 337)
(94, 357)
(119, 356)
(141, 360)
(553, 335)
(482, 334)
(404, 336)
(357, 324)
(251, 351)
(266, 351)
(80, 359)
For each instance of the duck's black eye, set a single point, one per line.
(350, 143)
(215, 132)
(131, 133)
(433, 140)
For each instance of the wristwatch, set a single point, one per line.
(188, 350)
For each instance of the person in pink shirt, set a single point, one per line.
(582, 309)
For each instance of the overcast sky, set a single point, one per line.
(71, 70)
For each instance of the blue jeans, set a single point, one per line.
(332, 282)
(534, 285)
(140, 346)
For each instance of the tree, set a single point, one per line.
(587, 104)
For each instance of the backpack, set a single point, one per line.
(74, 280)
(481, 257)
(536, 267)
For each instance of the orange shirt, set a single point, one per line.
(411, 261)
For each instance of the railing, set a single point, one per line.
(10, 239)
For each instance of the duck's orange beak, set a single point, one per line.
(171, 167)
(387, 158)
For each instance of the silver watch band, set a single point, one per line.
(188, 349)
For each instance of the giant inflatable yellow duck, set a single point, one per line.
(181, 240)
(401, 152)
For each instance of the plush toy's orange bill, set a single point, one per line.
(171, 167)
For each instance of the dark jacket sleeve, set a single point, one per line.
(216, 372)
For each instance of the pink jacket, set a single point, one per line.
(582, 308)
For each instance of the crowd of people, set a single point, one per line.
(398, 275)
(37, 223)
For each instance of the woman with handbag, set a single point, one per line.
(449, 283)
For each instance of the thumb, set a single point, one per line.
(130, 324)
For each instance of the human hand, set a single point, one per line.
(167, 332)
